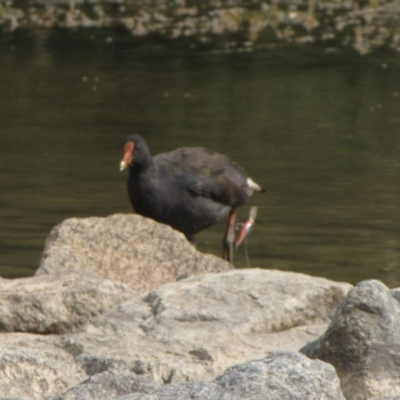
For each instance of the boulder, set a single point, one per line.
(196, 328)
(28, 373)
(190, 330)
(363, 343)
(109, 385)
(132, 249)
(281, 375)
(58, 303)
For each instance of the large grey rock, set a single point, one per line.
(109, 385)
(57, 303)
(278, 376)
(188, 330)
(28, 373)
(196, 328)
(363, 343)
(135, 250)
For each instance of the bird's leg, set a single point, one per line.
(229, 238)
(191, 239)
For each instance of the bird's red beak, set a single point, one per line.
(128, 155)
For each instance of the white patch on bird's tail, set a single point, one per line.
(252, 185)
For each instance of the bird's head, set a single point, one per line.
(136, 151)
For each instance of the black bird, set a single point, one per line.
(190, 188)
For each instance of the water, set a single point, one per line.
(320, 131)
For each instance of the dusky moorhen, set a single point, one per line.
(190, 188)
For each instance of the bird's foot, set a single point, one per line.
(246, 227)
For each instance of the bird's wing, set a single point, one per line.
(206, 173)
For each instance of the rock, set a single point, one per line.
(221, 25)
(57, 303)
(277, 376)
(109, 385)
(34, 373)
(396, 293)
(363, 343)
(190, 330)
(135, 250)
(196, 328)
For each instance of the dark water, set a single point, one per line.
(319, 130)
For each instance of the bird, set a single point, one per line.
(189, 189)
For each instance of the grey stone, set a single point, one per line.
(109, 385)
(363, 343)
(57, 303)
(278, 376)
(30, 373)
(196, 328)
(135, 250)
(190, 330)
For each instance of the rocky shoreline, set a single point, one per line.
(364, 26)
(124, 308)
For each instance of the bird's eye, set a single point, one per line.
(138, 146)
